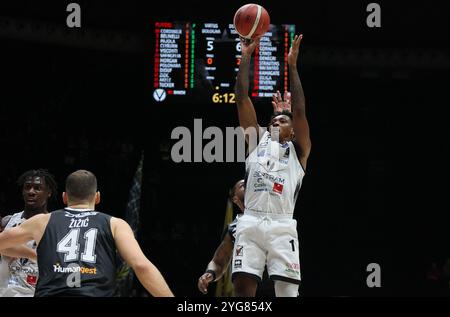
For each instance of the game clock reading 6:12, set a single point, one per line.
(228, 97)
(196, 61)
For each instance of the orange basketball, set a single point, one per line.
(251, 21)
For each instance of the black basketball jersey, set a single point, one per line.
(77, 255)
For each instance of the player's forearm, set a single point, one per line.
(242, 79)
(152, 280)
(218, 268)
(297, 95)
(21, 251)
(14, 237)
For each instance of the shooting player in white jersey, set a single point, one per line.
(267, 232)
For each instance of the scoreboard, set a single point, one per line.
(199, 61)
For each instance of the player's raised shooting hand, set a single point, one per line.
(294, 50)
(248, 46)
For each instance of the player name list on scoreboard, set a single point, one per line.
(271, 62)
(266, 68)
(171, 59)
(169, 55)
(188, 53)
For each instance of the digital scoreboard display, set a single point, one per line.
(199, 61)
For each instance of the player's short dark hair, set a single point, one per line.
(42, 173)
(81, 185)
(277, 113)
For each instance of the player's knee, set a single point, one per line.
(285, 289)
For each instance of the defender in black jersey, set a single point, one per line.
(222, 257)
(77, 246)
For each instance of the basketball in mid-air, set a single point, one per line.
(251, 21)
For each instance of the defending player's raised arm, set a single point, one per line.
(130, 251)
(218, 264)
(246, 110)
(31, 229)
(281, 104)
(300, 123)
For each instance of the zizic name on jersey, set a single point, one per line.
(79, 223)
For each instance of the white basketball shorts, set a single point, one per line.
(267, 239)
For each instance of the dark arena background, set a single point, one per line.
(378, 181)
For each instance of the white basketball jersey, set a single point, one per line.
(23, 273)
(273, 177)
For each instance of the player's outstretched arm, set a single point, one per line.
(300, 123)
(21, 251)
(130, 251)
(30, 229)
(246, 111)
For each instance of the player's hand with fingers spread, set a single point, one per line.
(279, 104)
(204, 281)
(293, 51)
(248, 46)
